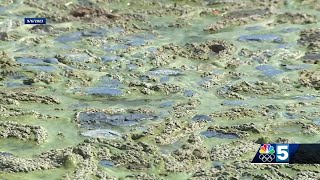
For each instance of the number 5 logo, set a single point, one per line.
(282, 153)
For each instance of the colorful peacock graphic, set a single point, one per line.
(266, 149)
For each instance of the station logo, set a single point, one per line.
(274, 153)
(35, 20)
(266, 153)
(282, 153)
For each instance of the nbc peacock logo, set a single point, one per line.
(266, 149)
(266, 153)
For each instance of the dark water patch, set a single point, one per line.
(6, 154)
(18, 76)
(106, 86)
(262, 57)
(144, 78)
(188, 93)
(132, 67)
(28, 60)
(224, 90)
(295, 67)
(234, 103)
(116, 47)
(4, 36)
(165, 79)
(269, 70)
(95, 33)
(139, 39)
(305, 98)
(162, 115)
(51, 60)
(286, 46)
(79, 57)
(167, 104)
(75, 36)
(15, 84)
(246, 13)
(290, 115)
(136, 42)
(106, 163)
(104, 91)
(110, 58)
(210, 134)
(78, 106)
(98, 120)
(85, 3)
(205, 80)
(261, 38)
(24, 49)
(254, 28)
(102, 133)
(67, 47)
(152, 49)
(167, 72)
(129, 119)
(117, 30)
(218, 165)
(145, 36)
(16, 80)
(201, 117)
(290, 30)
(41, 68)
(106, 81)
(317, 121)
(312, 56)
(3, 10)
(218, 72)
(259, 59)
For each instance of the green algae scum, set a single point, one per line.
(157, 89)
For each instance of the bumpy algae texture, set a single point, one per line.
(126, 89)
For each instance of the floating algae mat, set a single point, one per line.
(130, 89)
